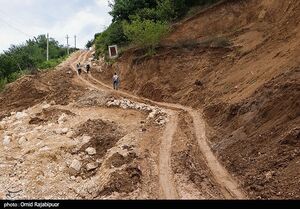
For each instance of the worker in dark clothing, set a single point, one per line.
(79, 68)
(88, 68)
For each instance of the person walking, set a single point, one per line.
(88, 68)
(79, 68)
(116, 81)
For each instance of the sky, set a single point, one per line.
(21, 20)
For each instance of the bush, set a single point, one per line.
(3, 82)
(51, 63)
(114, 34)
(145, 33)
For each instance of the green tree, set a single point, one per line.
(145, 33)
(123, 9)
(114, 34)
(20, 59)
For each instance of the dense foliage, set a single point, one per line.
(145, 33)
(28, 57)
(144, 15)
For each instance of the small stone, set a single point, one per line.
(62, 119)
(86, 139)
(21, 115)
(45, 148)
(46, 106)
(50, 125)
(70, 134)
(91, 166)
(91, 151)
(144, 129)
(76, 165)
(58, 131)
(64, 131)
(6, 140)
(53, 103)
(73, 177)
(22, 140)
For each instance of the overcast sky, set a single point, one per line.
(24, 19)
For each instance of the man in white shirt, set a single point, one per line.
(116, 81)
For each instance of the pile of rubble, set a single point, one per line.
(157, 114)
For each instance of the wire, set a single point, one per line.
(13, 27)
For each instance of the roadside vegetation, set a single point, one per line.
(28, 58)
(142, 23)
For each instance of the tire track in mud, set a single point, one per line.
(227, 185)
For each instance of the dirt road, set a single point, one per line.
(227, 185)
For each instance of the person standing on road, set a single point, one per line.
(116, 81)
(88, 68)
(79, 68)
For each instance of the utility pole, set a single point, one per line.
(47, 46)
(68, 51)
(75, 37)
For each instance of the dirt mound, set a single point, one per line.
(55, 85)
(104, 135)
(124, 181)
(49, 115)
(118, 160)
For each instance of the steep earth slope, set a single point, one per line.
(239, 62)
(86, 141)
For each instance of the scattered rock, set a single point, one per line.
(21, 115)
(262, 15)
(91, 151)
(86, 139)
(22, 140)
(127, 104)
(76, 165)
(6, 140)
(52, 103)
(58, 131)
(45, 148)
(46, 106)
(2, 125)
(198, 83)
(91, 166)
(269, 175)
(70, 134)
(62, 119)
(64, 131)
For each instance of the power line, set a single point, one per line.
(16, 21)
(13, 27)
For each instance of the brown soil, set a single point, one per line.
(55, 85)
(49, 115)
(118, 160)
(187, 160)
(239, 61)
(124, 181)
(104, 136)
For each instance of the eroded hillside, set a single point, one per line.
(239, 62)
